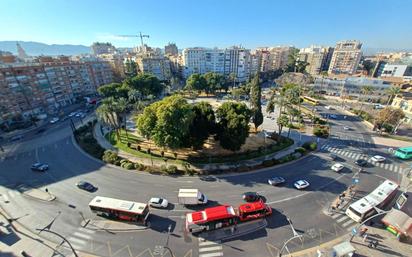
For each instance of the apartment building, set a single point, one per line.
(395, 70)
(351, 87)
(346, 57)
(46, 85)
(102, 48)
(201, 60)
(404, 102)
(171, 49)
(159, 66)
(317, 57)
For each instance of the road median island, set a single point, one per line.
(36, 193)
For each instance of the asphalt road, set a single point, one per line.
(68, 166)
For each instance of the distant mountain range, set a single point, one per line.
(36, 48)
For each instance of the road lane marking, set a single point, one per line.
(386, 166)
(209, 249)
(78, 234)
(207, 243)
(86, 230)
(211, 254)
(396, 169)
(342, 219)
(76, 241)
(347, 223)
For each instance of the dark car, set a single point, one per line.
(251, 197)
(86, 186)
(38, 166)
(16, 138)
(361, 162)
(40, 130)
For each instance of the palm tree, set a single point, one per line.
(134, 95)
(392, 92)
(232, 76)
(106, 113)
(121, 107)
(366, 90)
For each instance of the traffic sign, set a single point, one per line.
(354, 231)
(355, 181)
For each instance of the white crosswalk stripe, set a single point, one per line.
(396, 169)
(209, 248)
(81, 237)
(342, 219)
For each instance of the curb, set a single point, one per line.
(314, 249)
(98, 228)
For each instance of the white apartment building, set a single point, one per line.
(224, 61)
(346, 57)
(317, 57)
(159, 66)
(397, 70)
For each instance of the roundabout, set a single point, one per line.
(69, 210)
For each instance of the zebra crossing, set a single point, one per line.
(356, 155)
(209, 248)
(8, 195)
(343, 220)
(81, 237)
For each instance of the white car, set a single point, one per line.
(378, 158)
(346, 128)
(301, 184)
(54, 120)
(158, 202)
(328, 107)
(72, 114)
(337, 167)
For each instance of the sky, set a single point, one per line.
(209, 23)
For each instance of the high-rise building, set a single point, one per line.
(278, 57)
(171, 49)
(103, 48)
(234, 60)
(346, 57)
(49, 83)
(317, 58)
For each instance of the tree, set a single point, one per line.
(147, 84)
(115, 90)
(233, 125)
(392, 92)
(106, 113)
(282, 121)
(368, 66)
(389, 116)
(365, 91)
(167, 122)
(203, 124)
(232, 78)
(256, 102)
(196, 82)
(292, 57)
(214, 82)
(121, 107)
(130, 68)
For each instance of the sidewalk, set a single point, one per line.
(98, 134)
(388, 245)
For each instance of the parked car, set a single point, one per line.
(16, 138)
(72, 114)
(158, 202)
(41, 130)
(378, 158)
(86, 186)
(301, 184)
(276, 181)
(38, 166)
(337, 167)
(328, 107)
(54, 120)
(333, 116)
(333, 156)
(346, 128)
(361, 162)
(251, 197)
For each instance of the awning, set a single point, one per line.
(399, 220)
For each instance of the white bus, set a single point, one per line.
(120, 209)
(365, 207)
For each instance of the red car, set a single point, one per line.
(252, 211)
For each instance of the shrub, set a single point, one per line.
(163, 168)
(172, 169)
(129, 165)
(268, 163)
(110, 157)
(139, 148)
(300, 150)
(243, 168)
(321, 131)
(139, 166)
(310, 146)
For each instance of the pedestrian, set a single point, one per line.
(365, 237)
(47, 190)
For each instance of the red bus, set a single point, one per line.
(211, 218)
(225, 215)
(252, 211)
(120, 209)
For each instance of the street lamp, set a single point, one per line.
(295, 235)
(169, 228)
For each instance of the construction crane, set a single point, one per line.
(139, 35)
